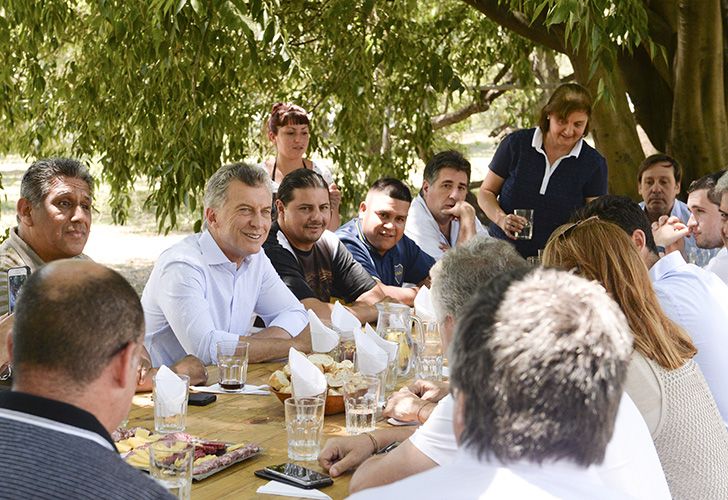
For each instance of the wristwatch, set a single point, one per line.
(660, 249)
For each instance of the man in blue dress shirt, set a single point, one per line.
(377, 241)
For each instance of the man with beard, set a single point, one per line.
(311, 260)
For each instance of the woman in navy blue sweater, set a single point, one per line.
(549, 169)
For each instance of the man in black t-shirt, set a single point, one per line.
(312, 261)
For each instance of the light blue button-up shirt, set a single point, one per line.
(697, 300)
(196, 297)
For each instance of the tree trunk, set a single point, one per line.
(699, 136)
(651, 96)
(613, 128)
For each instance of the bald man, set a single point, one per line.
(76, 347)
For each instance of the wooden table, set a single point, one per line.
(243, 418)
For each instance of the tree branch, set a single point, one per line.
(482, 103)
(516, 22)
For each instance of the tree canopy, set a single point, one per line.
(167, 90)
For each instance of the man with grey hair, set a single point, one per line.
(454, 279)
(208, 287)
(54, 221)
(54, 218)
(529, 349)
(719, 263)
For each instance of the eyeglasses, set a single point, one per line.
(565, 233)
(143, 365)
(143, 368)
(6, 372)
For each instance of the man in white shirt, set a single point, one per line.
(631, 464)
(206, 288)
(470, 265)
(692, 297)
(529, 349)
(439, 218)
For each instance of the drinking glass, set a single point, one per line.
(232, 365)
(527, 231)
(170, 464)
(428, 361)
(361, 403)
(387, 379)
(304, 425)
(170, 413)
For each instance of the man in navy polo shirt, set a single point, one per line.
(376, 240)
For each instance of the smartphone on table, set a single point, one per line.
(16, 278)
(295, 475)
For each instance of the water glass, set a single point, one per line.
(361, 403)
(304, 425)
(347, 346)
(527, 231)
(170, 464)
(170, 414)
(428, 361)
(232, 365)
(387, 379)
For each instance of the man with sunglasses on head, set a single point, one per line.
(76, 348)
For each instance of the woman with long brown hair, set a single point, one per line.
(663, 380)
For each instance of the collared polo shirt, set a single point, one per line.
(554, 192)
(403, 263)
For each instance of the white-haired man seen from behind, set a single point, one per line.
(565, 342)
(631, 464)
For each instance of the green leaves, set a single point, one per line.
(165, 91)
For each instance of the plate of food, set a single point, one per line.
(336, 374)
(210, 456)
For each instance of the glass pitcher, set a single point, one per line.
(395, 324)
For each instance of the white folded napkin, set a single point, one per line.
(170, 390)
(306, 380)
(323, 338)
(261, 390)
(370, 358)
(423, 305)
(286, 490)
(342, 319)
(387, 346)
